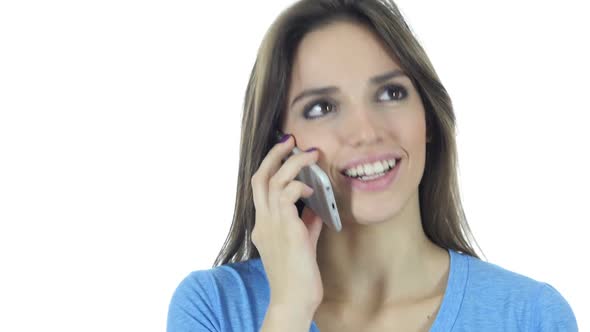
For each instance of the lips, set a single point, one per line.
(376, 185)
(385, 170)
(343, 171)
(367, 159)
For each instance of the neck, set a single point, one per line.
(381, 263)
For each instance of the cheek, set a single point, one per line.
(415, 124)
(417, 136)
(409, 132)
(419, 131)
(408, 127)
(304, 141)
(418, 142)
(325, 146)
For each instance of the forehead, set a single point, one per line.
(339, 52)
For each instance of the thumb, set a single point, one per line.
(313, 223)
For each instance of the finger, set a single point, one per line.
(287, 174)
(290, 168)
(286, 208)
(268, 167)
(293, 192)
(314, 225)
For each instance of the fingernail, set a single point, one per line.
(284, 138)
(310, 149)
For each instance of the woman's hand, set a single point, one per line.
(286, 243)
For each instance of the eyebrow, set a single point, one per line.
(331, 89)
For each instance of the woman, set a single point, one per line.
(353, 87)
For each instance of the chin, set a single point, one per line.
(377, 209)
(372, 219)
(369, 214)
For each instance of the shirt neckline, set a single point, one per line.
(453, 297)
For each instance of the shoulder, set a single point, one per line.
(489, 276)
(209, 300)
(553, 311)
(531, 304)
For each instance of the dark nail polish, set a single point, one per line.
(284, 138)
(310, 149)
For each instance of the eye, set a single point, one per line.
(394, 92)
(316, 109)
(319, 108)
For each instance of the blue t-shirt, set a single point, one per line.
(480, 296)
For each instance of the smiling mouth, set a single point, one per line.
(359, 173)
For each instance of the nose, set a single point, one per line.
(361, 128)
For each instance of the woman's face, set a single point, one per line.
(358, 117)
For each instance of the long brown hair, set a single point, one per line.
(443, 218)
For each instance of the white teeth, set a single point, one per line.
(378, 167)
(371, 168)
(371, 177)
(360, 170)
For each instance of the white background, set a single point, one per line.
(119, 135)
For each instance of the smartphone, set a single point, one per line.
(322, 201)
